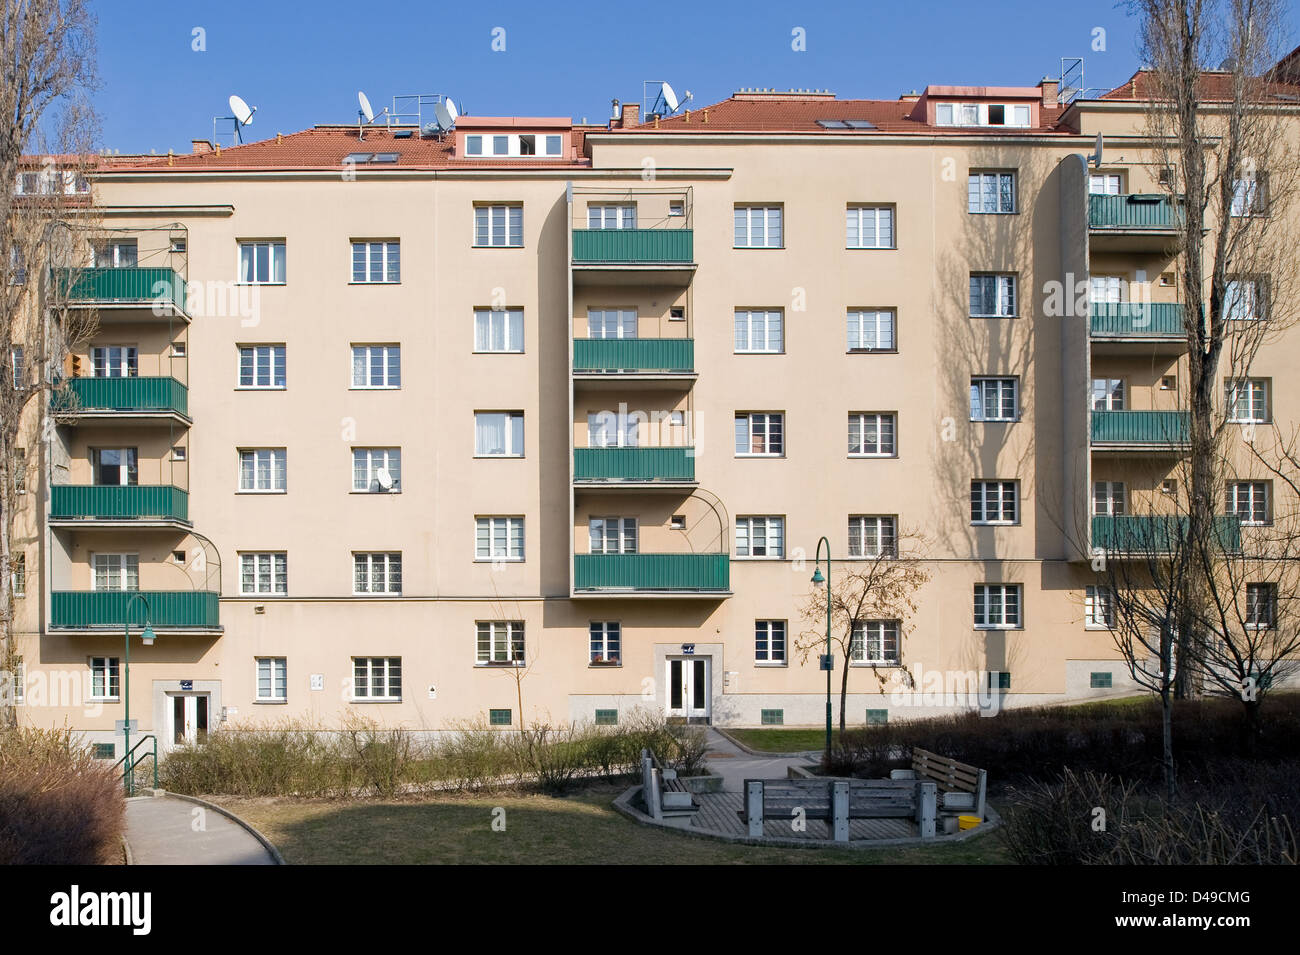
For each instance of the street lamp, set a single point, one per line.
(147, 637)
(828, 660)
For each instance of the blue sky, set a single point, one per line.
(301, 63)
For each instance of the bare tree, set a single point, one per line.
(46, 130)
(879, 589)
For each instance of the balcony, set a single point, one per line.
(133, 505)
(1137, 322)
(106, 610)
(1141, 222)
(634, 358)
(1139, 430)
(1154, 535)
(681, 574)
(636, 467)
(156, 291)
(128, 400)
(626, 256)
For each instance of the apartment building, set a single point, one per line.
(545, 420)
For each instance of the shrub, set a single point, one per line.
(58, 804)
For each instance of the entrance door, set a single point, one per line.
(688, 688)
(188, 718)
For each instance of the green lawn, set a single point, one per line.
(581, 829)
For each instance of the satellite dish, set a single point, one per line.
(1095, 158)
(443, 117)
(430, 129)
(241, 111)
(451, 109)
(669, 97)
(384, 478)
(366, 109)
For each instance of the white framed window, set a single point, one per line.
(994, 399)
(19, 575)
(873, 535)
(760, 331)
(869, 227)
(500, 641)
(114, 361)
(991, 193)
(612, 323)
(20, 683)
(1108, 394)
(261, 366)
(264, 574)
(982, 114)
(1105, 184)
(1249, 196)
(1246, 400)
(272, 680)
(499, 330)
(377, 573)
(1107, 289)
(115, 572)
(997, 607)
(377, 366)
(499, 434)
(117, 254)
(1248, 500)
(1098, 608)
(758, 227)
(760, 536)
(769, 641)
(261, 262)
(377, 470)
(994, 502)
(760, 434)
(500, 226)
(1244, 300)
(612, 429)
(875, 642)
(262, 470)
(1109, 499)
(612, 535)
(499, 538)
(20, 471)
(605, 645)
(377, 678)
(992, 295)
(105, 678)
(871, 329)
(872, 434)
(376, 261)
(1261, 606)
(611, 215)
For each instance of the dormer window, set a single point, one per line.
(981, 114)
(513, 145)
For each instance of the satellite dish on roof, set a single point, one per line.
(366, 110)
(1095, 158)
(665, 101)
(669, 97)
(241, 111)
(442, 116)
(451, 109)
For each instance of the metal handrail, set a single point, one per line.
(128, 771)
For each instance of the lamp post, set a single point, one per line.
(828, 660)
(147, 636)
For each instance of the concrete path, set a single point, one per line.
(734, 765)
(165, 830)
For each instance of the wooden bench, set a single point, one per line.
(962, 788)
(836, 801)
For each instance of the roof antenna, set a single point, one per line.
(241, 116)
(366, 114)
(665, 101)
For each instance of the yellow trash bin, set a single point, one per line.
(967, 822)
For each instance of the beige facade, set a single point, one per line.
(687, 642)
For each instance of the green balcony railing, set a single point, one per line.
(122, 394)
(634, 464)
(116, 503)
(125, 286)
(107, 608)
(1140, 427)
(634, 354)
(1150, 212)
(1152, 535)
(1136, 319)
(652, 572)
(633, 246)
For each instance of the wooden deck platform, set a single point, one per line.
(719, 814)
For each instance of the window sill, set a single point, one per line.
(503, 247)
(375, 388)
(993, 316)
(995, 420)
(354, 282)
(758, 248)
(760, 455)
(883, 457)
(104, 699)
(389, 699)
(771, 664)
(376, 594)
(871, 351)
(261, 388)
(769, 353)
(499, 664)
(284, 702)
(254, 492)
(498, 351)
(375, 493)
(603, 666)
(264, 596)
(994, 523)
(876, 664)
(499, 560)
(871, 248)
(1097, 628)
(496, 457)
(759, 557)
(273, 284)
(980, 626)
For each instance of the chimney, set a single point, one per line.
(631, 115)
(201, 146)
(1050, 89)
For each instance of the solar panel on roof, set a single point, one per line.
(404, 134)
(357, 157)
(832, 124)
(386, 157)
(859, 124)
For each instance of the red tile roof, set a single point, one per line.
(1213, 86)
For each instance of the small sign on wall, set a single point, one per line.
(187, 684)
(688, 648)
(433, 692)
(318, 681)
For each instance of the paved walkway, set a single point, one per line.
(164, 830)
(734, 765)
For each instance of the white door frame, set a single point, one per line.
(693, 684)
